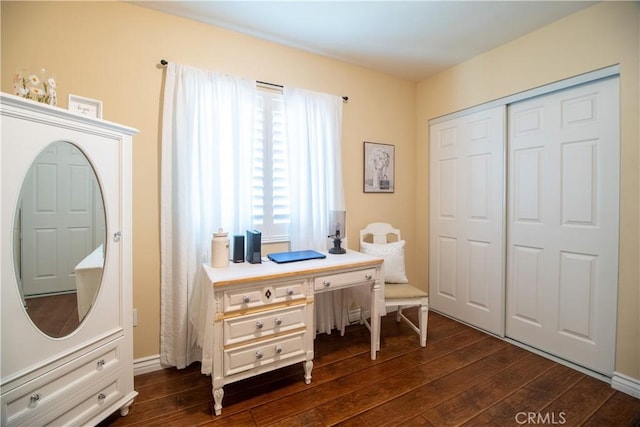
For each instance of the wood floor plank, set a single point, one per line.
(530, 399)
(581, 401)
(409, 405)
(474, 400)
(619, 410)
(385, 390)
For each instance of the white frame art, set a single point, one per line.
(379, 168)
(85, 106)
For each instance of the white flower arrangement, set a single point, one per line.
(30, 86)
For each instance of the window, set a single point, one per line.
(270, 174)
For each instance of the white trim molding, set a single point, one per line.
(147, 364)
(626, 384)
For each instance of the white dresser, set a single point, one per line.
(66, 191)
(264, 313)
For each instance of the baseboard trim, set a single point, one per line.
(147, 364)
(626, 384)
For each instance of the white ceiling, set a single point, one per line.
(408, 39)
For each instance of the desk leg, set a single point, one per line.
(218, 394)
(308, 366)
(375, 319)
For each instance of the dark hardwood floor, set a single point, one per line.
(462, 377)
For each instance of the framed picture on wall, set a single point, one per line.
(379, 168)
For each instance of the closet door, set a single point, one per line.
(562, 262)
(466, 255)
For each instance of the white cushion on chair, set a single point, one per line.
(393, 255)
(402, 291)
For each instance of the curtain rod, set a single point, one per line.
(164, 62)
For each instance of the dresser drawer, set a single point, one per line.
(262, 324)
(340, 280)
(60, 390)
(262, 353)
(101, 397)
(242, 298)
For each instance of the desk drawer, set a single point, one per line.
(244, 328)
(262, 353)
(252, 296)
(340, 280)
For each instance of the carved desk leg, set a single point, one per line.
(218, 394)
(308, 366)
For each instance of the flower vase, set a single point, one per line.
(39, 86)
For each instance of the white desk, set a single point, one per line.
(263, 317)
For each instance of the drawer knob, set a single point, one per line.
(289, 292)
(368, 276)
(278, 349)
(100, 363)
(35, 397)
(258, 355)
(259, 325)
(102, 396)
(246, 299)
(278, 321)
(326, 283)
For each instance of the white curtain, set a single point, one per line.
(314, 135)
(207, 135)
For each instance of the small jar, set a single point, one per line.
(220, 249)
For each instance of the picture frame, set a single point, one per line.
(85, 106)
(379, 168)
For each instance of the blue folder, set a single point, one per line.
(282, 257)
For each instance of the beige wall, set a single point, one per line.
(602, 35)
(110, 51)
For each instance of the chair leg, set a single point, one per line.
(399, 314)
(424, 317)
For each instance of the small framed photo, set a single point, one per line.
(85, 106)
(379, 168)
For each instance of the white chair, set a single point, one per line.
(381, 239)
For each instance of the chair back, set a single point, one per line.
(380, 233)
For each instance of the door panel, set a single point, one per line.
(57, 225)
(563, 182)
(466, 278)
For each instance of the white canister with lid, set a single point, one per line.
(220, 249)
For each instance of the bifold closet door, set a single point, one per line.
(466, 243)
(562, 265)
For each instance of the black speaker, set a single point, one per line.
(254, 247)
(238, 248)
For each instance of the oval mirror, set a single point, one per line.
(59, 239)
